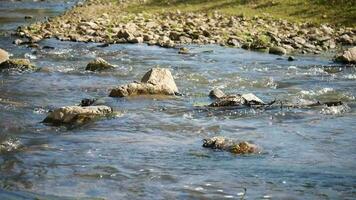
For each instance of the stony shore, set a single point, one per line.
(107, 22)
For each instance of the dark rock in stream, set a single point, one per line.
(224, 144)
(157, 81)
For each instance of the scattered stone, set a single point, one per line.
(249, 100)
(216, 93)
(224, 144)
(232, 100)
(291, 58)
(76, 114)
(183, 50)
(99, 64)
(87, 102)
(348, 56)
(18, 64)
(156, 81)
(18, 42)
(277, 50)
(4, 55)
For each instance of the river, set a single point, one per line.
(154, 149)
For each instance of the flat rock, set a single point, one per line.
(252, 99)
(231, 100)
(216, 93)
(156, 81)
(4, 55)
(348, 56)
(76, 114)
(224, 144)
(19, 64)
(99, 64)
(236, 100)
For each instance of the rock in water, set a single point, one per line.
(277, 50)
(225, 144)
(348, 56)
(99, 64)
(77, 114)
(216, 93)
(252, 99)
(19, 64)
(3, 55)
(233, 100)
(156, 81)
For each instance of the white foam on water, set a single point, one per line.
(335, 110)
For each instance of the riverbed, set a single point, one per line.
(153, 149)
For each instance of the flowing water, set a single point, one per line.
(153, 150)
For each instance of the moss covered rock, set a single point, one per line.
(99, 64)
(18, 64)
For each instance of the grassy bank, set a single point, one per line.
(336, 12)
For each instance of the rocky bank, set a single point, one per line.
(109, 22)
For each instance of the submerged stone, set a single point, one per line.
(9, 144)
(224, 144)
(19, 64)
(99, 64)
(156, 81)
(77, 114)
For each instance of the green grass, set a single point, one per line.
(337, 12)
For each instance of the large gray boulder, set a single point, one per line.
(224, 144)
(99, 64)
(76, 114)
(4, 55)
(348, 56)
(156, 81)
(18, 64)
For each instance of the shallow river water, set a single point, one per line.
(153, 150)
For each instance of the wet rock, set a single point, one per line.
(277, 50)
(87, 102)
(4, 55)
(28, 17)
(232, 100)
(348, 56)
(252, 99)
(18, 64)
(239, 100)
(18, 42)
(76, 114)
(99, 64)
(291, 58)
(224, 144)
(183, 50)
(216, 93)
(156, 81)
